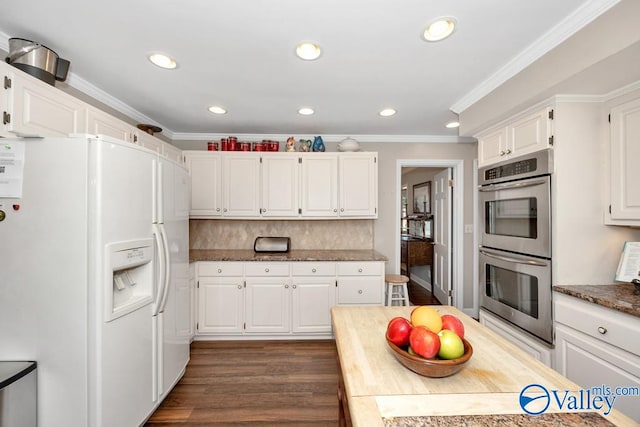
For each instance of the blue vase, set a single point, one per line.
(318, 144)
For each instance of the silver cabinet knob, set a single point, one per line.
(502, 153)
(266, 270)
(508, 151)
(335, 210)
(602, 330)
(341, 209)
(294, 286)
(359, 270)
(313, 270)
(217, 209)
(219, 270)
(286, 286)
(360, 291)
(224, 210)
(239, 286)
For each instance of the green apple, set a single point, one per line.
(451, 346)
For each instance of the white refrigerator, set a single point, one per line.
(94, 281)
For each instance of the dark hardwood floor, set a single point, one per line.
(260, 383)
(255, 383)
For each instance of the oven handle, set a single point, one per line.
(514, 260)
(518, 184)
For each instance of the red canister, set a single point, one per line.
(274, 146)
(225, 144)
(259, 146)
(232, 144)
(212, 146)
(245, 146)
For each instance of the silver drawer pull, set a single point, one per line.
(359, 270)
(219, 270)
(602, 330)
(286, 286)
(313, 270)
(293, 286)
(359, 291)
(239, 286)
(266, 270)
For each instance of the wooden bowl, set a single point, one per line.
(433, 368)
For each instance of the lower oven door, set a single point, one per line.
(518, 289)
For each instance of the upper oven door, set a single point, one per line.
(516, 216)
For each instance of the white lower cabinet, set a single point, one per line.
(281, 299)
(534, 347)
(599, 347)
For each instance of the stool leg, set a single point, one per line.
(405, 293)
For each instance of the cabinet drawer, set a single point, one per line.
(360, 268)
(213, 268)
(313, 269)
(616, 328)
(267, 269)
(359, 291)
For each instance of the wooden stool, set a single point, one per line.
(396, 289)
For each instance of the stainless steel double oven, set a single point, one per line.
(515, 242)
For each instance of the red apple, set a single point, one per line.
(424, 342)
(398, 331)
(454, 324)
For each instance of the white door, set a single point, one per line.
(268, 304)
(241, 183)
(358, 184)
(319, 192)
(280, 185)
(442, 237)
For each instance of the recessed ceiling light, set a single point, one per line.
(387, 112)
(216, 109)
(163, 61)
(308, 51)
(439, 29)
(452, 125)
(306, 111)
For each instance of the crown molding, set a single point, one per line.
(552, 38)
(440, 139)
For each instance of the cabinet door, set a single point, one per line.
(148, 141)
(280, 185)
(319, 178)
(101, 123)
(625, 152)
(591, 363)
(312, 299)
(206, 186)
(492, 147)
(220, 305)
(358, 185)
(268, 305)
(39, 109)
(241, 185)
(530, 133)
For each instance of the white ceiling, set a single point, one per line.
(240, 54)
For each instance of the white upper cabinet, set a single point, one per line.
(205, 170)
(319, 177)
(521, 135)
(358, 184)
(101, 123)
(241, 185)
(34, 108)
(625, 152)
(280, 185)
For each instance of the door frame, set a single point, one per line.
(456, 252)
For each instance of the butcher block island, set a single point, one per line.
(376, 390)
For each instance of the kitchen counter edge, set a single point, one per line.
(293, 255)
(618, 296)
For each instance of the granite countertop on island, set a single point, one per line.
(381, 392)
(293, 255)
(617, 296)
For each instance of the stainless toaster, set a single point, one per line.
(272, 244)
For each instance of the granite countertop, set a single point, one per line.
(617, 296)
(383, 393)
(293, 255)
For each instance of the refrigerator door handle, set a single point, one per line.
(167, 266)
(162, 269)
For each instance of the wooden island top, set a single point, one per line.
(380, 390)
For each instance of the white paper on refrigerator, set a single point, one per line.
(12, 156)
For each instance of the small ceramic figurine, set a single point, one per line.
(318, 144)
(304, 145)
(291, 144)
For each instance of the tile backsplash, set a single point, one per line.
(314, 235)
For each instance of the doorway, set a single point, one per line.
(435, 221)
